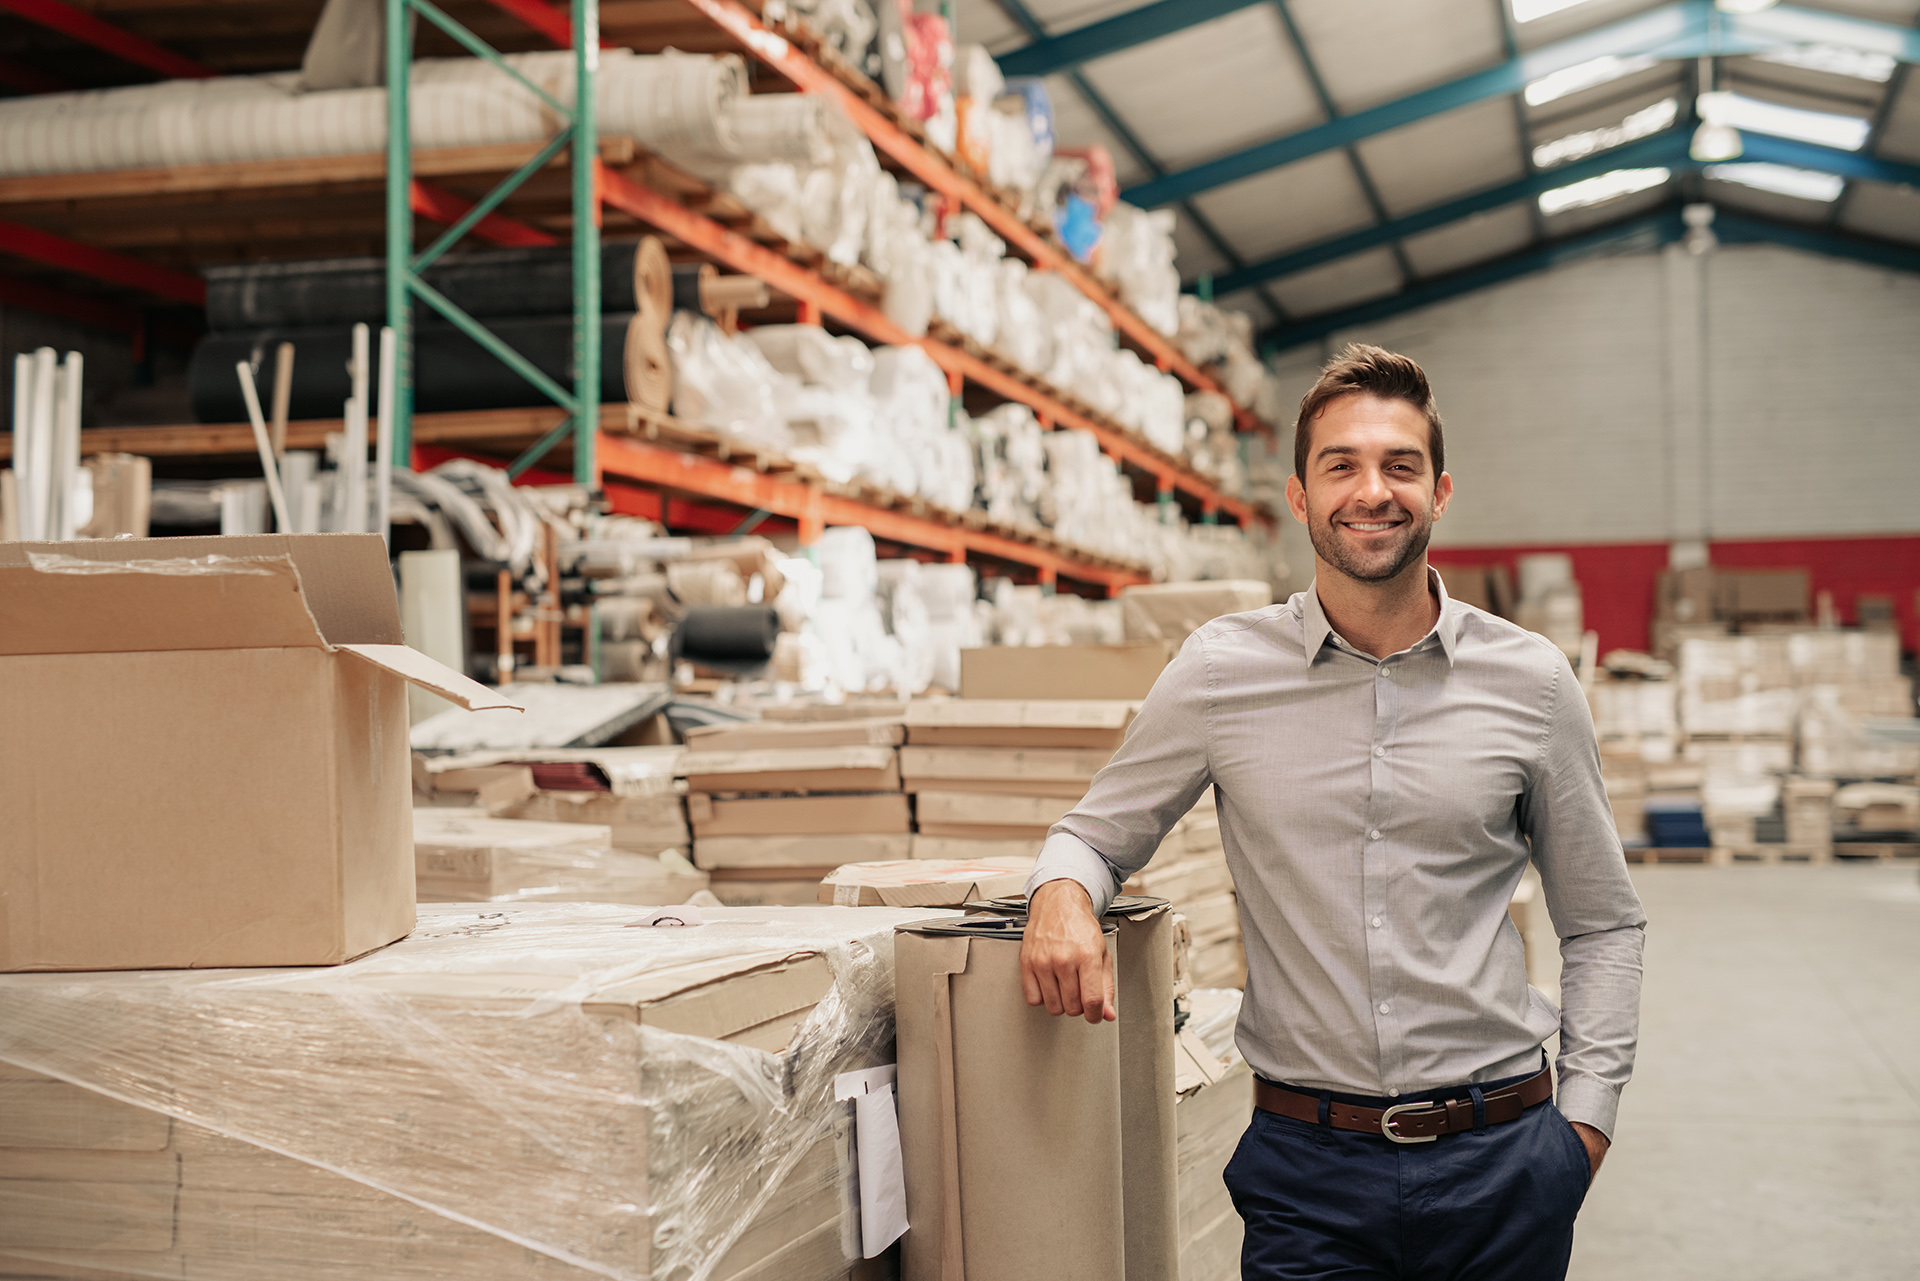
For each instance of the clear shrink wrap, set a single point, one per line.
(511, 1091)
(724, 382)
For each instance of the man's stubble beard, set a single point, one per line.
(1329, 547)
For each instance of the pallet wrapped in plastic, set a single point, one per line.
(511, 1091)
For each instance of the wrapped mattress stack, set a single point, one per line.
(777, 805)
(528, 1091)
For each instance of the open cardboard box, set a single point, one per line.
(205, 758)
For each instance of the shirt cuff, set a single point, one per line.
(1065, 857)
(1589, 1101)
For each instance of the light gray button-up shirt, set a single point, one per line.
(1377, 816)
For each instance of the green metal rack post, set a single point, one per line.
(405, 268)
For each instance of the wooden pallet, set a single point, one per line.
(1876, 851)
(1692, 854)
(1727, 855)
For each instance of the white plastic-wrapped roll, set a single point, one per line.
(788, 128)
(725, 383)
(816, 357)
(677, 104)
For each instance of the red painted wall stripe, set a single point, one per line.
(1617, 579)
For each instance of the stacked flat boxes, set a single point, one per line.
(775, 806)
(989, 777)
(1190, 871)
(468, 856)
(1846, 679)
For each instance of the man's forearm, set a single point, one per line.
(1067, 857)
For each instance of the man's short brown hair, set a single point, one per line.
(1372, 371)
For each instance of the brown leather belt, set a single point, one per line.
(1421, 1122)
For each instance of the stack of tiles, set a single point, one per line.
(776, 806)
(527, 1091)
(990, 776)
(1190, 872)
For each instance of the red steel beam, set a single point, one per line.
(777, 52)
(87, 29)
(544, 18)
(101, 264)
(443, 206)
(790, 278)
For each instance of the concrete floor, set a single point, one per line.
(1772, 1129)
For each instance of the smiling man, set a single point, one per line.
(1385, 761)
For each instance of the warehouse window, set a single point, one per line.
(1648, 120)
(1837, 60)
(1784, 180)
(1849, 133)
(1587, 75)
(1597, 191)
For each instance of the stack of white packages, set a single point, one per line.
(929, 611)
(1013, 464)
(725, 382)
(825, 393)
(1136, 252)
(851, 639)
(915, 414)
(1026, 615)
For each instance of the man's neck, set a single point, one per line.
(1378, 618)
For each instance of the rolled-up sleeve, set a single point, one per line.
(1151, 782)
(1594, 908)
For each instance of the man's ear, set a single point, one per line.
(1442, 494)
(1297, 499)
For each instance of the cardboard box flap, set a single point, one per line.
(344, 577)
(55, 603)
(411, 665)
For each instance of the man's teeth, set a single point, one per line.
(1371, 526)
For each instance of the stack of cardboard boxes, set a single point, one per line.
(990, 776)
(1704, 602)
(777, 805)
(1190, 871)
(1846, 679)
(467, 856)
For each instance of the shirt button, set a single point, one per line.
(1376, 922)
(1393, 1094)
(1374, 835)
(1387, 672)
(1385, 1008)
(1379, 751)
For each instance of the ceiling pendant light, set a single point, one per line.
(1715, 141)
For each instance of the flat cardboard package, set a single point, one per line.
(869, 812)
(205, 755)
(785, 852)
(1174, 611)
(793, 769)
(754, 735)
(463, 856)
(1063, 671)
(1087, 724)
(924, 882)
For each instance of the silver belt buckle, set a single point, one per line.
(1386, 1121)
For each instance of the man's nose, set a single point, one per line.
(1373, 491)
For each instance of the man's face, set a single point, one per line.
(1370, 496)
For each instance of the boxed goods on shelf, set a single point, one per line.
(140, 673)
(511, 1091)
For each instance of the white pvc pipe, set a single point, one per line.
(64, 457)
(383, 440)
(23, 448)
(40, 479)
(353, 467)
(275, 494)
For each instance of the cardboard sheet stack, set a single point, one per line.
(529, 1091)
(467, 856)
(1190, 871)
(777, 805)
(1847, 680)
(561, 825)
(990, 776)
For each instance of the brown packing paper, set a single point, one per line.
(965, 807)
(1063, 671)
(753, 735)
(1049, 764)
(785, 852)
(872, 813)
(1007, 1115)
(799, 769)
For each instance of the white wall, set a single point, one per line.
(1572, 399)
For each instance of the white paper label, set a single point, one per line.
(876, 1137)
(846, 896)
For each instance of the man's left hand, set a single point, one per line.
(1596, 1142)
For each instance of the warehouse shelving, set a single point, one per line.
(143, 231)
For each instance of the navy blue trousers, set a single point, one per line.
(1492, 1204)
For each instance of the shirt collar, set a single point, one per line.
(1315, 629)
